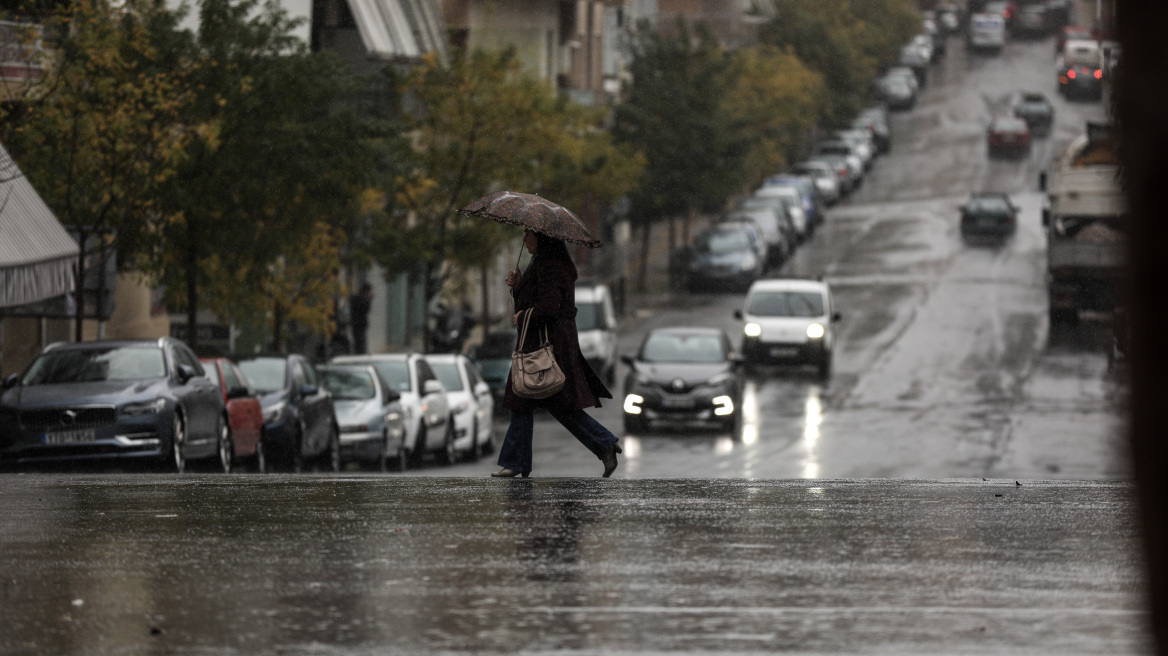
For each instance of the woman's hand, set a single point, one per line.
(512, 277)
(515, 318)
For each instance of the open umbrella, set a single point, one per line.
(533, 213)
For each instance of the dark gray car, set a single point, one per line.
(143, 400)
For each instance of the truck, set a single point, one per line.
(1084, 216)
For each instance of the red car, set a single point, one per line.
(1008, 134)
(244, 414)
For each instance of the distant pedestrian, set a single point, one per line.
(359, 304)
(548, 288)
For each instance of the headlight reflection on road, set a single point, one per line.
(813, 418)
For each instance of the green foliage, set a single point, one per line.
(676, 115)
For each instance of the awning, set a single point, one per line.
(36, 253)
(392, 29)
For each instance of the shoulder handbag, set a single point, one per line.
(535, 375)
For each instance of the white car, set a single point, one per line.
(428, 419)
(596, 326)
(794, 208)
(471, 403)
(369, 414)
(789, 321)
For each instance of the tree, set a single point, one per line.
(101, 133)
(479, 124)
(675, 113)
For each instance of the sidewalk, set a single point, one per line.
(375, 564)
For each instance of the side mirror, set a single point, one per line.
(836, 316)
(738, 314)
(309, 390)
(432, 387)
(185, 373)
(11, 381)
(392, 395)
(238, 392)
(738, 359)
(627, 359)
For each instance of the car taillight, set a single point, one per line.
(1071, 74)
(1098, 74)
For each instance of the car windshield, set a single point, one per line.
(354, 385)
(1009, 125)
(666, 347)
(786, 304)
(989, 205)
(718, 242)
(586, 316)
(447, 372)
(395, 374)
(267, 374)
(96, 364)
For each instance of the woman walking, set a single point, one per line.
(548, 290)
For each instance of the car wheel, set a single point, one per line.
(419, 450)
(449, 453)
(635, 424)
(402, 458)
(472, 454)
(333, 454)
(226, 446)
(298, 450)
(178, 441)
(261, 457)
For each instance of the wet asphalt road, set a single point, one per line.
(370, 564)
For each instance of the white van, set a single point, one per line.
(987, 32)
(596, 324)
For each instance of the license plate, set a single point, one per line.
(70, 436)
(784, 352)
(676, 403)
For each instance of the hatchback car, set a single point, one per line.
(824, 177)
(773, 218)
(245, 415)
(369, 415)
(725, 256)
(1037, 111)
(299, 423)
(1081, 80)
(1008, 135)
(988, 214)
(429, 426)
(470, 401)
(141, 400)
(789, 321)
(793, 200)
(683, 376)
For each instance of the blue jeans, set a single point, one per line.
(515, 454)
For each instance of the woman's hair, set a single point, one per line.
(553, 249)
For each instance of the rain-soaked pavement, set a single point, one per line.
(364, 564)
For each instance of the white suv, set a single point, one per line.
(596, 324)
(789, 321)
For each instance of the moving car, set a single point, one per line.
(596, 327)
(789, 321)
(988, 214)
(369, 415)
(987, 31)
(245, 415)
(1008, 135)
(726, 255)
(429, 425)
(141, 400)
(470, 401)
(683, 376)
(299, 423)
(1037, 111)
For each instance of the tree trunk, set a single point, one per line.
(485, 315)
(671, 261)
(79, 293)
(192, 273)
(643, 265)
(277, 327)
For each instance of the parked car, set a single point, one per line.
(841, 148)
(470, 402)
(727, 255)
(1008, 135)
(848, 177)
(789, 321)
(1071, 33)
(245, 415)
(139, 400)
(875, 121)
(810, 200)
(429, 425)
(596, 326)
(793, 198)
(1037, 111)
(492, 356)
(917, 58)
(369, 415)
(773, 218)
(823, 175)
(299, 423)
(1031, 20)
(861, 141)
(988, 214)
(683, 377)
(896, 92)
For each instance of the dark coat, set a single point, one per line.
(549, 286)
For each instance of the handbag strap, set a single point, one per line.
(523, 333)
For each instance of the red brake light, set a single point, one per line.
(1071, 73)
(1098, 74)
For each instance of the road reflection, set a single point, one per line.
(812, 419)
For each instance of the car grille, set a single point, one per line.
(41, 421)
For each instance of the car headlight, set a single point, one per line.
(461, 407)
(816, 331)
(748, 263)
(392, 417)
(752, 329)
(275, 412)
(723, 405)
(144, 408)
(633, 404)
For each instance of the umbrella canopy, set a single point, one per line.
(533, 213)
